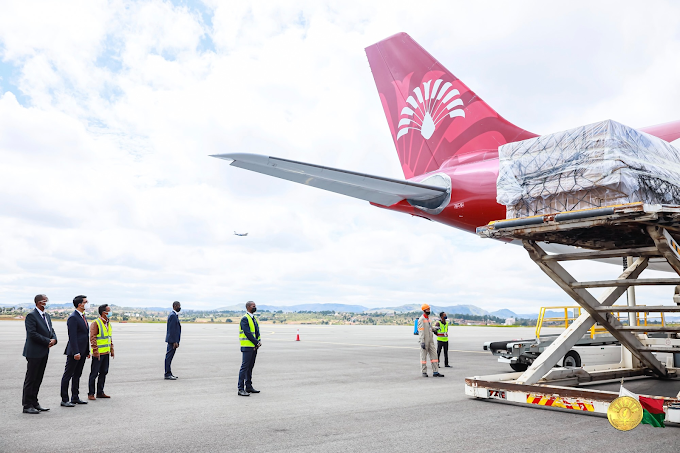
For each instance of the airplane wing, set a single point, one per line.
(376, 189)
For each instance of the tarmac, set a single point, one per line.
(339, 389)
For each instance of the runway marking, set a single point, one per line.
(341, 344)
(379, 346)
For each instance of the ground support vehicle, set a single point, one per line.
(597, 345)
(640, 232)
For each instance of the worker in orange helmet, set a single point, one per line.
(427, 343)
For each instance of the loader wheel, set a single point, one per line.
(571, 360)
(519, 366)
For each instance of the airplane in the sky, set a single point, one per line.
(446, 138)
(240, 234)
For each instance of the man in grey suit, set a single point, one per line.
(40, 337)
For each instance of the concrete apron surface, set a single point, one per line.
(341, 388)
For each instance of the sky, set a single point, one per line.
(109, 111)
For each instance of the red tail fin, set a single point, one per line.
(432, 115)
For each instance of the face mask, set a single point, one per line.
(254, 310)
(427, 312)
(445, 318)
(179, 309)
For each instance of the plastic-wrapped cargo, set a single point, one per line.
(601, 164)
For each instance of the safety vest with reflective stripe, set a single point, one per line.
(443, 332)
(245, 342)
(103, 337)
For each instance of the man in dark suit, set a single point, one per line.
(249, 336)
(172, 336)
(40, 337)
(77, 350)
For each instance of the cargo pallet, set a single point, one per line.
(639, 232)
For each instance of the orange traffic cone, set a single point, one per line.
(298, 335)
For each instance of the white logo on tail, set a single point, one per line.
(435, 102)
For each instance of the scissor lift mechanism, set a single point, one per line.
(638, 231)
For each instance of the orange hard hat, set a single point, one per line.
(425, 307)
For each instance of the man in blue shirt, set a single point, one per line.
(172, 336)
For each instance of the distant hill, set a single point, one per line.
(459, 309)
(504, 313)
(301, 307)
(344, 308)
(341, 308)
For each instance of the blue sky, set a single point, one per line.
(109, 110)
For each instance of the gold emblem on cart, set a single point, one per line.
(624, 413)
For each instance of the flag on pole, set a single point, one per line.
(652, 409)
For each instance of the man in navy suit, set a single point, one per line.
(173, 333)
(77, 350)
(40, 337)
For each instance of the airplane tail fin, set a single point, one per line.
(432, 115)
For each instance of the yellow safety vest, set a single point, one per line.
(245, 342)
(103, 337)
(443, 332)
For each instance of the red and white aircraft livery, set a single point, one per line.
(446, 136)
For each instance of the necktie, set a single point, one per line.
(45, 319)
(84, 319)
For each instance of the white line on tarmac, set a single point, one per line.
(343, 344)
(379, 346)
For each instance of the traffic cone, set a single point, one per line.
(298, 335)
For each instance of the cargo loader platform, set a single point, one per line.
(637, 232)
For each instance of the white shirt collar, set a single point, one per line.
(42, 313)
(250, 314)
(176, 312)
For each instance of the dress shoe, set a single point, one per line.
(425, 375)
(171, 377)
(243, 393)
(78, 401)
(41, 409)
(447, 366)
(252, 391)
(437, 375)
(31, 410)
(67, 404)
(103, 395)
(91, 397)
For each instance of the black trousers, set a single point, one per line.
(72, 372)
(35, 370)
(245, 375)
(445, 346)
(99, 368)
(169, 354)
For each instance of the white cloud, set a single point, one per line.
(107, 189)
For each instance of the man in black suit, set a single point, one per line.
(40, 337)
(77, 349)
(172, 336)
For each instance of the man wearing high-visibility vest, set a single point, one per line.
(426, 339)
(249, 336)
(102, 348)
(443, 338)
